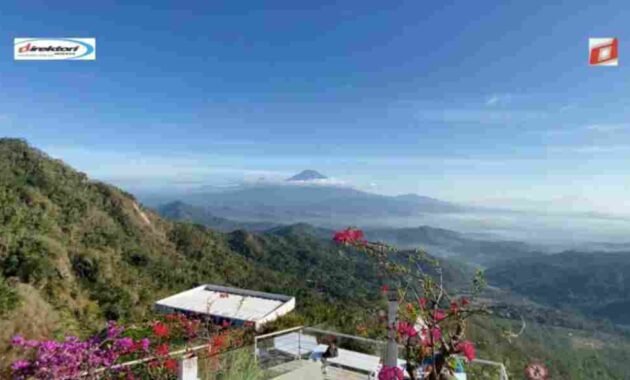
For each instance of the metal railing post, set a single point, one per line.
(299, 344)
(504, 375)
(188, 368)
(391, 355)
(256, 350)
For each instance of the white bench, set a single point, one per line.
(369, 364)
(353, 360)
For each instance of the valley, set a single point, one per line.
(76, 252)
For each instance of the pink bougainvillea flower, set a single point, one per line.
(439, 315)
(454, 307)
(391, 373)
(124, 345)
(113, 330)
(142, 344)
(18, 340)
(406, 329)
(466, 348)
(422, 302)
(20, 365)
(349, 236)
(436, 334)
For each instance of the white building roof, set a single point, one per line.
(231, 303)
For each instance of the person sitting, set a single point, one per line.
(331, 352)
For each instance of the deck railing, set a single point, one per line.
(280, 348)
(276, 352)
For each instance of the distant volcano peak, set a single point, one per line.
(307, 175)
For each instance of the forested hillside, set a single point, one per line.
(183, 212)
(597, 284)
(76, 252)
(440, 242)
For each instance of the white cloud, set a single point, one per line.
(495, 100)
(588, 149)
(481, 116)
(607, 128)
(567, 107)
(313, 182)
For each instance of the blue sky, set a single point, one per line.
(488, 101)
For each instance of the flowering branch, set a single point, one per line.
(431, 329)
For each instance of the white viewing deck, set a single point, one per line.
(295, 354)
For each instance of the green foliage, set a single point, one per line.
(29, 259)
(568, 354)
(595, 284)
(237, 364)
(92, 254)
(9, 298)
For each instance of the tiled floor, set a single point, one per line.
(309, 370)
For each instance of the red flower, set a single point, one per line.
(349, 236)
(439, 315)
(217, 342)
(436, 334)
(171, 365)
(384, 288)
(422, 302)
(162, 349)
(160, 330)
(391, 373)
(454, 307)
(467, 348)
(405, 329)
(464, 301)
(225, 323)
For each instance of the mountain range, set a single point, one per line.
(305, 198)
(75, 252)
(307, 175)
(440, 242)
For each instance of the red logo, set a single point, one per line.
(603, 51)
(536, 371)
(25, 48)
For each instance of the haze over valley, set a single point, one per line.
(317, 200)
(458, 167)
